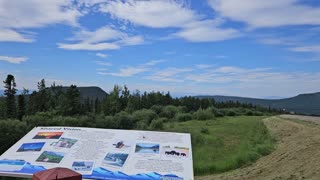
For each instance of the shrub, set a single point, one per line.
(145, 115)
(10, 132)
(157, 108)
(204, 130)
(123, 120)
(203, 114)
(156, 124)
(169, 111)
(249, 113)
(181, 117)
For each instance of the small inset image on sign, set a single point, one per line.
(11, 164)
(115, 159)
(48, 135)
(121, 145)
(36, 146)
(50, 157)
(149, 148)
(175, 151)
(82, 165)
(65, 142)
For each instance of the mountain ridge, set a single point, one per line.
(306, 103)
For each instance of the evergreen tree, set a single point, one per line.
(9, 92)
(43, 97)
(72, 105)
(21, 106)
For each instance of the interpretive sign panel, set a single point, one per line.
(101, 153)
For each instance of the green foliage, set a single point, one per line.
(9, 92)
(21, 106)
(10, 132)
(123, 120)
(71, 105)
(181, 117)
(204, 130)
(170, 111)
(203, 114)
(157, 124)
(145, 115)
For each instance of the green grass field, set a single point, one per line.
(225, 143)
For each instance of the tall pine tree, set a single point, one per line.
(9, 92)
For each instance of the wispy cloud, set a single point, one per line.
(103, 63)
(169, 75)
(14, 60)
(101, 55)
(104, 38)
(8, 35)
(192, 26)
(126, 72)
(206, 31)
(271, 13)
(132, 70)
(154, 62)
(17, 15)
(310, 49)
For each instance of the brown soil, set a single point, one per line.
(296, 156)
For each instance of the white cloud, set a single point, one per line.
(16, 15)
(153, 62)
(131, 70)
(312, 49)
(206, 31)
(155, 14)
(103, 63)
(169, 75)
(8, 35)
(14, 60)
(270, 13)
(204, 66)
(37, 13)
(101, 55)
(126, 72)
(88, 46)
(104, 38)
(191, 26)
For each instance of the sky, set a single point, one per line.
(251, 48)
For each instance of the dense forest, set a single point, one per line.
(121, 108)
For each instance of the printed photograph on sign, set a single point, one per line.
(36, 146)
(48, 135)
(11, 165)
(150, 148)
(115, 159)
(50, 157)
(82, 165)
(175, 151)
(121, 144)
(64, 142)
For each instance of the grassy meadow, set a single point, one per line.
(225, 143)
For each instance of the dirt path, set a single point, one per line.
(297, 154)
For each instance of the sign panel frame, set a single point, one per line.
(101, 153)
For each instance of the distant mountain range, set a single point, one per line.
(303, 103)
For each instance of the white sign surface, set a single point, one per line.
(101, 153)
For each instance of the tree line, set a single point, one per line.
(67, 101)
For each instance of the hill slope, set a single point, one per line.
(303, 103)
(91, 92)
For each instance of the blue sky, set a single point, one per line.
(253, 48)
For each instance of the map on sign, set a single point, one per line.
(101, 153)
